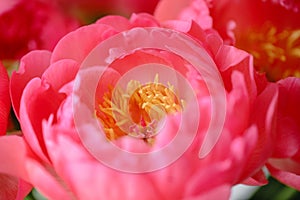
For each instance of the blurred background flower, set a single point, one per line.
(269, 30)
(29, 25)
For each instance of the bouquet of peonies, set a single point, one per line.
(127, 99)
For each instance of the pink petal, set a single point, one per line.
(15, 160)
(8, 187)
(78, 44)
(229, 59)
(4, 100)
(60, 73)
(46, 181)
(23, 189)
(32, 65)
(196, 10)
(6, 5)
(38, 102)
(13, 151)
(288, 121)
(143, 20)
(257, 179)
(221, 193)
(287, 164)
(238, 105)
(69, 158)
(263, 116)
(119, 23)
(170, 9)
(288, 178)
(13, 188)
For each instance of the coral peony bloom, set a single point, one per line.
(29, 25)
(131, 109)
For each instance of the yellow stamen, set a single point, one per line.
(139, 107)
(275, 52)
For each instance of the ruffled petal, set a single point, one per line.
(60, 73)
(119, 23)
(196, 10)
(94, 175)
(263, 116)
(38, 102)
(78, 44)
(32, 65)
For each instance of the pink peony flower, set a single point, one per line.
(187, 115)
(29, 25)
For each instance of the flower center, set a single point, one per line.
(137, 110)
(275, 52)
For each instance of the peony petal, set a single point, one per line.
(170, 9)
(143, 20)
(287, 164)
(119, 23)
(263, 116)
(196, 10)
(288, 122)
(78, 44)
(288, 178)
(12, 157)
(4, 100)
(60, 73)
(6, 5)
(221, 193)
(46, 181)
(238, 105)
(32, 65)
(95, 176)
(257, 179)
(229, 59)
(9, 187)
(23, 189)
(39, 100)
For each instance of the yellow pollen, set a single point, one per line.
(275, 52)
(139, 107)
